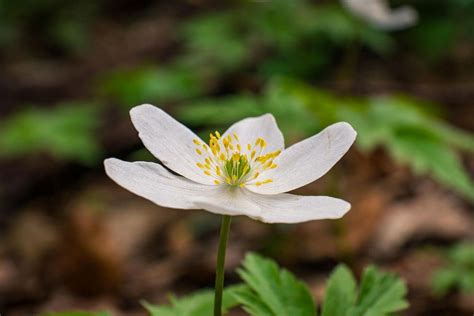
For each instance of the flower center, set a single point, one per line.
(227, 161)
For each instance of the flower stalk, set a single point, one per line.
(225, 226)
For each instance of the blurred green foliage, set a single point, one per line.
(135, 86)
(458, 273)
(243, 46)
(57, 24)
(408, 129)
(67, 131)
(443, 25)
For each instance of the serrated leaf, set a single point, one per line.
(197, 304)
(380, 294)
(340, 292)
(252, 303)
(273, 291)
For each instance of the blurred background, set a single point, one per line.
(70, 71)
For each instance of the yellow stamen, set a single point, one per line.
(230, 165)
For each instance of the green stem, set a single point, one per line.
(220, 265)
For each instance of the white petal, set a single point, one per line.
(231, 201)
(307, 160)
(155, 183)
(169, 141)
(264, 126)
(379, 13)
(280, 208)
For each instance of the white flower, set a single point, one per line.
(379, 13)
(244, 171)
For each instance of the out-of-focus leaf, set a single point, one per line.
(288, 110)
(444, 280)
(151, 84)
(417, 138)
(427, 154)
(459, 273)
(197, 304)
(223, 111)
(214, 40)
(272, 291)
(434, 38)
(341, 28)
(67, 132)
(408, 129)
(219, 111)
(280, 25)
(455, 136)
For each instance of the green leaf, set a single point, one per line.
(380, 294)
(197, 304)
(66, 132)
(272, 291)
(340, 292)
